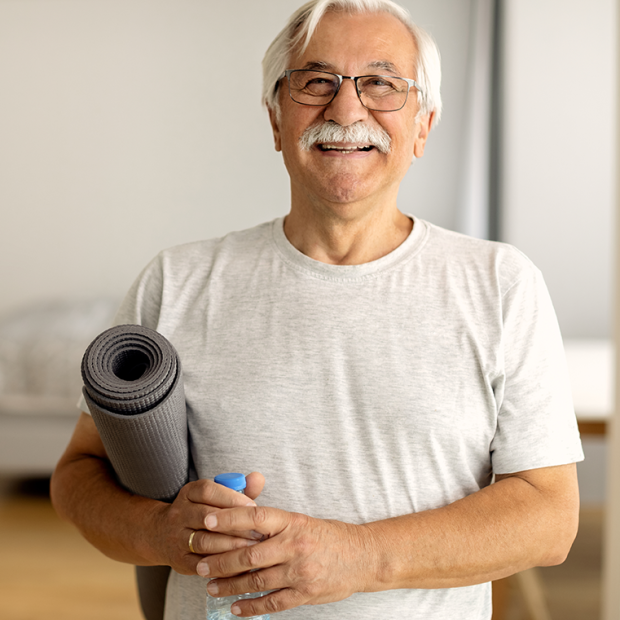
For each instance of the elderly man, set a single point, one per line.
(378, 371)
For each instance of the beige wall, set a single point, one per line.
(559, 151)
(131, 125)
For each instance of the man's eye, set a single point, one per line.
(379, 83)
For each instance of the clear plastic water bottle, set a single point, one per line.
(218, 607)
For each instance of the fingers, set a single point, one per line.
(255, 581)
(176, 522)
(195, 518)
(208, 543)
(261, 523)
(213, 494)
(258, 581)
(272, 550)
(272, 603)
(255, 483)
(185, 559)
(302, 560)
(204, 497)
(241, 560)
(267, 521)
(192, 515)
(187, 516)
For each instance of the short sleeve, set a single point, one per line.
(536, 423)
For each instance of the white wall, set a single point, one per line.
(558, 172)
(131, 125)
(116, 140)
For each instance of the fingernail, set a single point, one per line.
(249, 543)
(251, 504)
(213, 588)
(202, 569)
(235, 609)
(255, 534)
(211, 522)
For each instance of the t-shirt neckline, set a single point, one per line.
(299, 261)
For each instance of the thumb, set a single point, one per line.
(254, 484)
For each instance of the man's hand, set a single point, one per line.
(525, 519)
(187, 515)
(134, 529)
(308, 561)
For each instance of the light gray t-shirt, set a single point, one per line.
(362, 392)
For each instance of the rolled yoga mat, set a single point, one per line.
(134, 389)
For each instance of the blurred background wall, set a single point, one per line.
(559, 87)
(130, 125)
(558, 158)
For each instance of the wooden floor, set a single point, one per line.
(48, 572)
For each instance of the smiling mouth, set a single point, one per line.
(345, 149)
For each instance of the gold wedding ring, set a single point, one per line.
(191, 540)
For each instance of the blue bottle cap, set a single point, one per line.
(232, 481)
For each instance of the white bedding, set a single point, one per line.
(41, 348)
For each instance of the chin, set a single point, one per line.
(345, 188)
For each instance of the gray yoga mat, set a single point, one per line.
(133, 386)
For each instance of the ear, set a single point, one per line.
(424, 128)
(276, 129)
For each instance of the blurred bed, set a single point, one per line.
(41, 347)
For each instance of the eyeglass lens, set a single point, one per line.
(377, 92)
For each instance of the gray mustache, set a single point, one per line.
(332, 132)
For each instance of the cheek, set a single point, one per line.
(288, 142)
(295, 120)
(403, 149)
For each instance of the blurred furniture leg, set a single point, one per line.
(501, 598)
(529, 585)
(531, 588)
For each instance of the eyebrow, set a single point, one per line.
(384, 65)
(318, 66)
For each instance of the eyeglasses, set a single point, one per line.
(383, 93)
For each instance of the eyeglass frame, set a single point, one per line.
(411, 83)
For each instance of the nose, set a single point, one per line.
(346, 108)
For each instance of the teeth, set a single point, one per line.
(327, 147)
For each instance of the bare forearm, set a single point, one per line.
(134, 529)
(119, 524)
(503, 529)
(525, 519)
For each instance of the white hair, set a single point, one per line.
(303, 23)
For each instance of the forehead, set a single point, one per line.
(351, 44)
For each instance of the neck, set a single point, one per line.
(338, 239)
